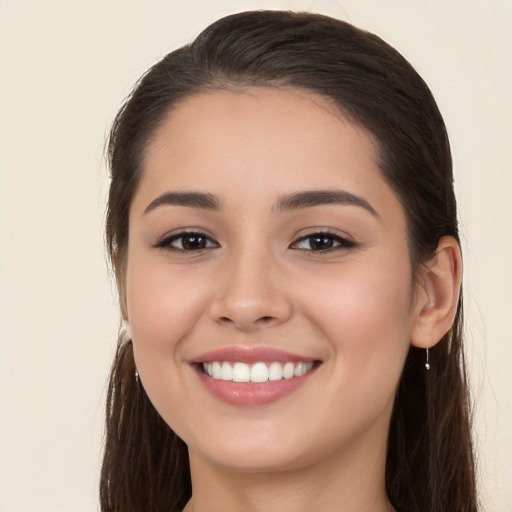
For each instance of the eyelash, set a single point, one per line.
(337, 242)
(341, 242)
(167, 241)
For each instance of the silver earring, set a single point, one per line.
(427, 364)
(136, 376)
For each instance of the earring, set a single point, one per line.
(427, 364)
(136, 376)
(127, 330)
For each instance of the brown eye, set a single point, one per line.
(320, 242)
(192, 242)
(187, 241)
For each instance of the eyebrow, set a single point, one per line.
(296, 201)
(312, 198)
(190, 199)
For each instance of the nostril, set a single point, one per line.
(265, 320)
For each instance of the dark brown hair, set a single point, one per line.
(430, 466)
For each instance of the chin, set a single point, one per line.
(257, 449)
(262, 460)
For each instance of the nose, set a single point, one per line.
(251, 293)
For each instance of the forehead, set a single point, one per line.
(257, 128)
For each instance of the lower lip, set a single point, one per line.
(246, 393)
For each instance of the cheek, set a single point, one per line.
(163, 306)
(366, 316)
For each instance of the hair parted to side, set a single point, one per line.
(430, 465)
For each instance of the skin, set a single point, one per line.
(259, 282)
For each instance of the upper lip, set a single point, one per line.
(251, 355)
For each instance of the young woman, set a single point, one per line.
(283, 230)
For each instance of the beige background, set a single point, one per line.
(65, 68)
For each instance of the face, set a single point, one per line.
(268, 281)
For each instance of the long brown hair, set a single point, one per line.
(430, 465)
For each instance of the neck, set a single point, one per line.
(340, 482)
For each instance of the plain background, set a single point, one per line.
(65, 67)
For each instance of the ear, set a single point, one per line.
(437, 294)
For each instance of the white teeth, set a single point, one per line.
(300, 369)
(216, 370)
(226, 372)
(288, 370)
(257, 373)
(275, 371)
(241, 372)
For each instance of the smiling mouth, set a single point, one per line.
(256, 373)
